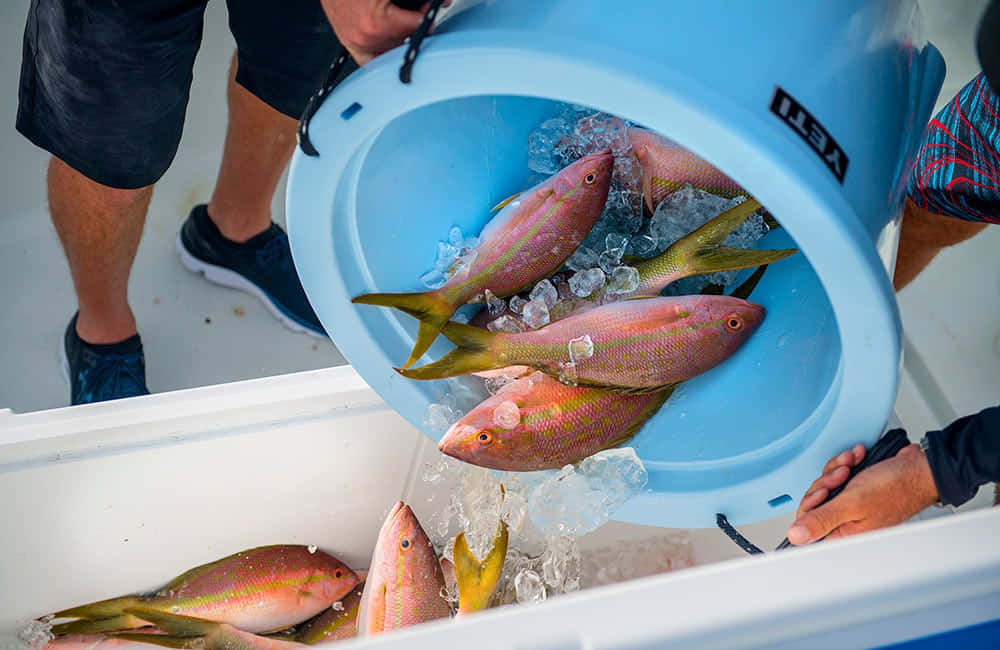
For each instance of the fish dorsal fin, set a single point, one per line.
(505, 202)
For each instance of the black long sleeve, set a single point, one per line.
(965, 455)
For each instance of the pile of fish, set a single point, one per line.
(286, 596)
(586, 363)
(578, 362)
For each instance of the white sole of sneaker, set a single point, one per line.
(226, 278)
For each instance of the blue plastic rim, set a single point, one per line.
(400, 164)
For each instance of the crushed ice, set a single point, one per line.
(546, 512)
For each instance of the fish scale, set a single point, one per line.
(558, 425)
(667, 166)
(405, 583)
(531, 239)
(638, 345)
(261, 590)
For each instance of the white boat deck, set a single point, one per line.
(196, 333)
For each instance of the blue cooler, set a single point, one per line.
(815, 108)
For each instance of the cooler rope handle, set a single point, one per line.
(887, 446)
(342, 62)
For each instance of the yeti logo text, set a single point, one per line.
(810, 130)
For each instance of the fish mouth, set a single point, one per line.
(389, 521)
(395, 511)
(451, 443)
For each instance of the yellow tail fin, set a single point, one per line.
(473, 354)
(174, 623)
(429, 308)
(99, 626)
(478, 580)
(702, 250)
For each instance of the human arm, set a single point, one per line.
(959, 459)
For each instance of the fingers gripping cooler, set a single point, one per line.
(815, 109)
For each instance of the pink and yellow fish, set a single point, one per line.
(637, 345)
(666, 166)
(261, 590)
(334, 624)
(405, 582)
(529, 239)
(557, 425)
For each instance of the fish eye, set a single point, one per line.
(590, 178)
(338, 574)
(405, 544)
(734, 322)
(484, 437)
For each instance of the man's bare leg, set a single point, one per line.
(924, 234)
(99, 227)
(259, 142)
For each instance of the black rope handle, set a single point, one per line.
(333, 76)
(344, 64)
(733, 534)
(406, 70)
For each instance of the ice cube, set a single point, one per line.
(688, 208)
(545, 292)
(618, 474)
(439, 417)
(495, 305)
(583, 283)
(627, 171)
(535, 314)
(446, 254)
(463, 264)
(529, 587)
(567, 374)
(505, 323)
(642, 245)
(610, 259)
(581, 348)
(624, 279)
(496, 383)
(561, 564)
(434, 279)
(517, 304)
(515, 508)
(35, 635)
(455, 237)
(578, 500)
(582, 259)
(506, 415)
(615, 241)
(435, 472)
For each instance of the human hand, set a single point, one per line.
(885, 494)
(368, 28)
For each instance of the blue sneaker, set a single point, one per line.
(261, 266)
(97, 373)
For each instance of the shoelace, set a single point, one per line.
(276, 253)
(114, 375)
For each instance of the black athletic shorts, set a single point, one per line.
(105, 83)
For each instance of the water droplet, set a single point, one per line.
(782, 340)
(338, 606)
(312, 548)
